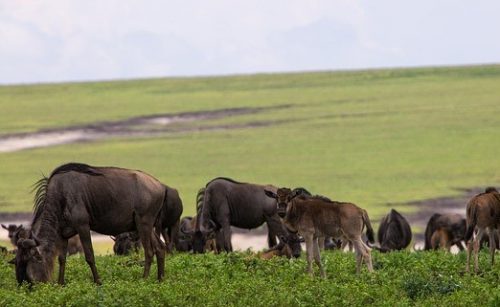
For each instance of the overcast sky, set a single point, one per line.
(64, 40)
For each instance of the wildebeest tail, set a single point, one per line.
(471, 221)
(369, 230)
(203, 222)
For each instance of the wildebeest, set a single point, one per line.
(77, 198)
(483, 215)
(229, 203)
(317, 217)
(169, 218)
(394, 232)
(444, 230)
(126, 242)
(187, 232)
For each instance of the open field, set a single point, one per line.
(370, 137)
(238, 279)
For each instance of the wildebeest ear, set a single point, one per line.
(5, 227)
(271, 194)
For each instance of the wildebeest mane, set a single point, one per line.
(40, 189)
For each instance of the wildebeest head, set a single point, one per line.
(125, 242)
(283, 196)
(29, 262)
(293, 241)
(13, 232)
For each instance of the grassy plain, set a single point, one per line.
(239, 279)
(370, 137)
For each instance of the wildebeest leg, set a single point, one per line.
(492, 245)
(317, 255)
(84, 232)
(362, 252)
(309, 250)
(469, 252)
(368, 257)
(219, 241)
(173, 234)
(275, 228)
(145, 233)
(321, 243)
(226, 230)
(159, 248)
(62, 260)
(476, 249)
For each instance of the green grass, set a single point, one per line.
(239, 279)
(370, 137)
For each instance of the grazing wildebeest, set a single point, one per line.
(317, 217)
(126, 242)
(394, 233)
(77, 198)
(169, 218)
(187, 232)
(444, 230)
(229, 203)
(483, 215)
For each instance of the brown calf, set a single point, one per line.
(315, 217)
(483, 214)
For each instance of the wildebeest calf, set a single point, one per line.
(315, 217)
(483, 214)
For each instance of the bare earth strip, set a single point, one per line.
(144, 126)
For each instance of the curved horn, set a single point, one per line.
(379, 248)
(186, 231)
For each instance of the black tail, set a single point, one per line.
(369, 230)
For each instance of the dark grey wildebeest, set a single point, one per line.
(394, 233)
(317, 217)
(78, 198)
(229, 203)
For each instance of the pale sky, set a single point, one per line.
(64, 40)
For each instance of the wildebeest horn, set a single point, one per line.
(186, 232)
(13, 261)
(113, 238)
(270, 194)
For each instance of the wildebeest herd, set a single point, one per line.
(137, 210)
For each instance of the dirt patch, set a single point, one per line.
(143, 126)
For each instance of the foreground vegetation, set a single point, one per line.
(369, 137)
(239, 279)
